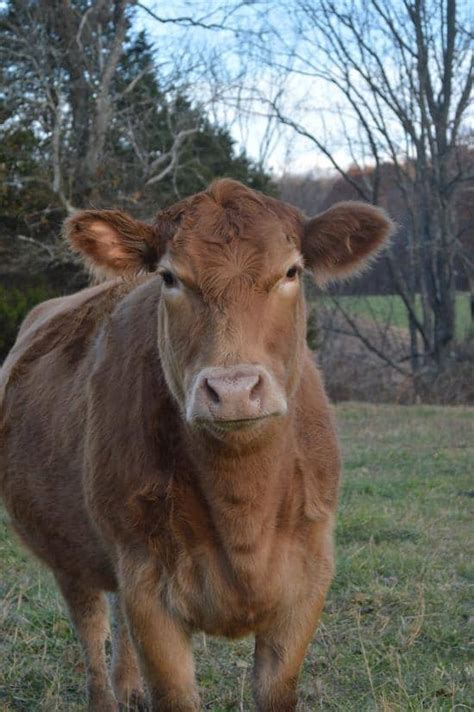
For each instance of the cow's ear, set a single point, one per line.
(342, 239)
(112, 242)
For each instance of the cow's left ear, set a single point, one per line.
(342, 239)
(112, 242)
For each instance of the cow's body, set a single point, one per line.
(107, 480)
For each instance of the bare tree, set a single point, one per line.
(393, 84)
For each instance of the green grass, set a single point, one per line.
(390, 309)
(394, 634)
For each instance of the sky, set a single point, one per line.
(280, 148)
(236, 84)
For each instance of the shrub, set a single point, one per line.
(14, 305)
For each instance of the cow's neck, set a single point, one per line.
(246, 493)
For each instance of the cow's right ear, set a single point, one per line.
(112, 242)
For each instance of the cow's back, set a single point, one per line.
(43, 410)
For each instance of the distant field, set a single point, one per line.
(394, 635)
(390, 309)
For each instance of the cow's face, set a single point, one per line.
(232, 325)
(231, 313)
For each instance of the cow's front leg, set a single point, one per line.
(279, 654)
(163, 644)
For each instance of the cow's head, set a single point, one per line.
(229, 265)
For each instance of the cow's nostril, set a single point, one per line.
(210, 392)
(256, 390)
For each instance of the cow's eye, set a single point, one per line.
(292, 272)
(169, 279)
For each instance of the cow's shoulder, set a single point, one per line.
(63, 327)
(47, 310)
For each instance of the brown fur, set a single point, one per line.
(107, 482)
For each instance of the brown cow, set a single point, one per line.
(167, 437)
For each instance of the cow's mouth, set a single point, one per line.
(238, 424)
(222, 426)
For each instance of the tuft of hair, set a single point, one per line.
(228, 208)
(230, 193)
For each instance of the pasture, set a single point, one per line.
(394, 635)
(389, 309)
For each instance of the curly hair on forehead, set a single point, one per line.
(226, 210)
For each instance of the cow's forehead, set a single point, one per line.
(227, 245)
(230, 232)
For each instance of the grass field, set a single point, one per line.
(390, 309)
(394, 634)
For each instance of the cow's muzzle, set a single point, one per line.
(235, 397)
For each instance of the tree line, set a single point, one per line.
(89, 116)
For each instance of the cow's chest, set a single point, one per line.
(227, 574)
(226, 567)
(226, 594)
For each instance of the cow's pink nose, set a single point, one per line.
(238, 393)
(234, 391)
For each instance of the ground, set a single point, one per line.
(394, 634)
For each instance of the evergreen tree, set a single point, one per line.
(84, 122)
